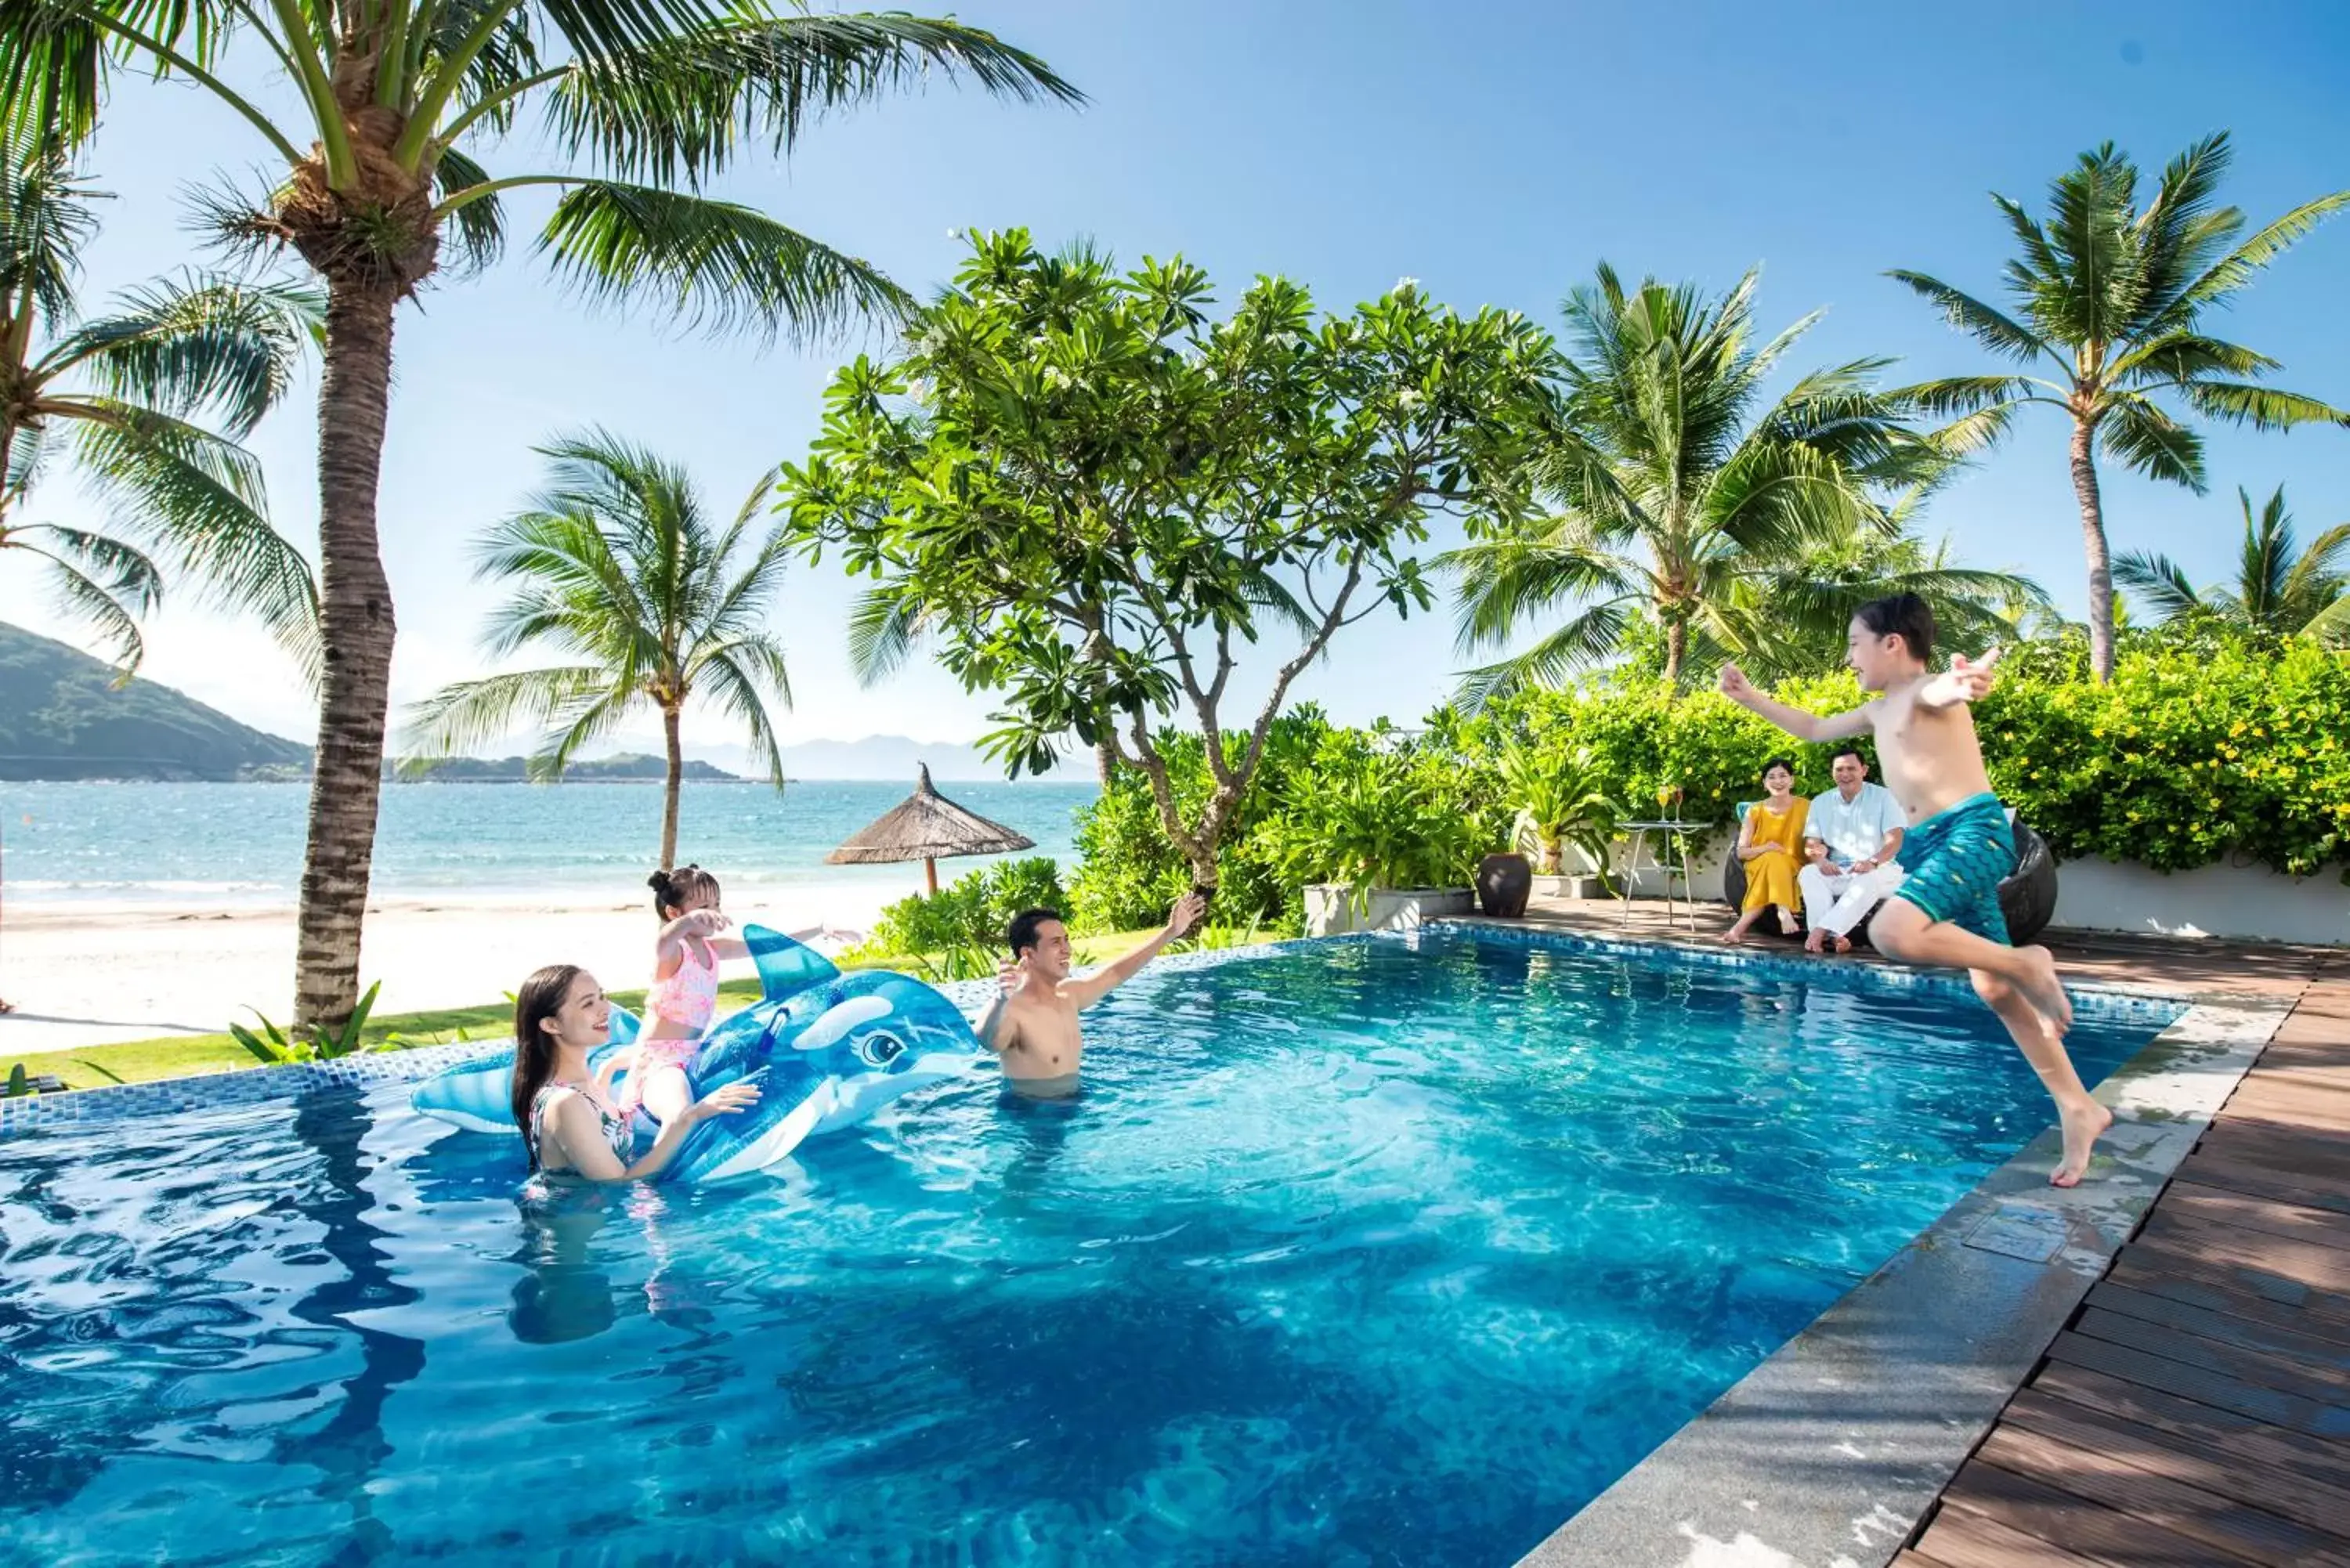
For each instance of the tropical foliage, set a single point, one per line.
(2110, 301)
(379, 183)
(972, 912)
(1090, 496)
(616, 567)
(130, 398)
(2280, 588)
(1387, 819)
(1677, 490)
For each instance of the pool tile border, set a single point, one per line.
(1829, 1453)
(300, 1080)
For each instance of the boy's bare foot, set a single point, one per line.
(2083, 1125)
(2043, 989)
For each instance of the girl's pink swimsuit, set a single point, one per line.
(686, 1000)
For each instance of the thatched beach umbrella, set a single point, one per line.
(929, 827)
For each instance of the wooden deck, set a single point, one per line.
(2197, 1410)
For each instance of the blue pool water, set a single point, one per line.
(1361, 1253)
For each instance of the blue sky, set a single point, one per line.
(1492, 151)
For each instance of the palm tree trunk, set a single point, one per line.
(676, 785)
(354, 623)
(2093, 539)
(1676, 649)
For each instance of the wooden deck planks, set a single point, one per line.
(2197, 1408)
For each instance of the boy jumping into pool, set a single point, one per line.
(1033, 1026)
(1959, 846)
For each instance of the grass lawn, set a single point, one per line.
(187, 1056)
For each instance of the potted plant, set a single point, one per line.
(1377, 849)
(1560, 808)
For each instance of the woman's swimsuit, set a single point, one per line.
(618, 1134)
(1956, 859)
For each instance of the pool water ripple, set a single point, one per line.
(1363, 1253)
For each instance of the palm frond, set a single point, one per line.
(2146, 439)
(711, 264)
(45, 219)
(884, 628)
(467, 714)
(92, 576)
(2158, 581)
(1986, 323)
(2263, 407)
(1502, 583)
(479, 227)
(206, 343)
(677, 110)
(740, 679)
(1590, 638)
(200, 499)
(2237, 269)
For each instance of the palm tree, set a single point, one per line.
(1801, 607)
(1675, 483)
(617, 569)
(2113, 298)
(379, 188)
(118, 394)
(2280, 588)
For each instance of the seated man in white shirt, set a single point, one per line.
(1850, 839)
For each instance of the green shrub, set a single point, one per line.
(969, 913)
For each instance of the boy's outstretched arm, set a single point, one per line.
(1804, 726)
(1966, 681)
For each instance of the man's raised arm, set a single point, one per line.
(1110, 976)
(1804, 726)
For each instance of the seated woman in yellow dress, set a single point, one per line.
(1771, 842)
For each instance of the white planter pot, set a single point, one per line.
(1580, 885)
(1330, 908)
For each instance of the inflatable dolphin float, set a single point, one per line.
(827, 1050)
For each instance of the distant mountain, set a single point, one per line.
(61, 718)
(895, 758)
(628, 766)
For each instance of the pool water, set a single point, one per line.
(1368, 1251)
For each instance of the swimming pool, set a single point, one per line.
(1359, 1251)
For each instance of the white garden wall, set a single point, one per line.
(2248, 902)
(1330, 911)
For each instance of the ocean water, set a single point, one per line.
(1376, 1252)
(242, 843)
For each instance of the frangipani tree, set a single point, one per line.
(2110, 301)
(1093, 499)
(384, 182)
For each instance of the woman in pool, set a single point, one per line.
(569, 1126)
(1771, 842)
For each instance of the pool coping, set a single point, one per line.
(1830, 1452)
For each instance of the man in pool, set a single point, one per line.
(1033, 1026)
(1958, 844)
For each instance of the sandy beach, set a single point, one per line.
(83, 975)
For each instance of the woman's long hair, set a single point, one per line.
(535, 1004)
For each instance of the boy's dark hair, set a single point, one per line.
(1855, 753)
(1023, 933)
(672, 888)
(1905, 615)
(1787, 762)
